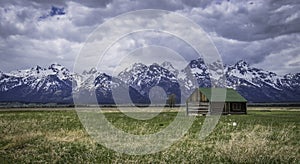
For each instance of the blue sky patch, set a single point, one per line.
(54, 11)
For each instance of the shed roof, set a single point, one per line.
(219, 95)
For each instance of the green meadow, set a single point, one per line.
(57, 136)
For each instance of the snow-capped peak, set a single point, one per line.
(57, 67)
(169, 66)
(242, 63)
(91, 71)
(37, 68)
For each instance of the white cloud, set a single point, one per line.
(257, 31)
(279, 62)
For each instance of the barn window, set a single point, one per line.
(236, 106)
(203, 98)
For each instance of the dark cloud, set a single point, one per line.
(254, 30)
(244, 21)
(94, 3)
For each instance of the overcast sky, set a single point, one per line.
(264, 33)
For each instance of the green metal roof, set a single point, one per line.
(218, 95)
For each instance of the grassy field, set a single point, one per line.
(57, 136)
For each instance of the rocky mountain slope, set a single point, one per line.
(56, 84)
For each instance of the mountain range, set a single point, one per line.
(56, 84)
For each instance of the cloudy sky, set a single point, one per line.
(264, 33)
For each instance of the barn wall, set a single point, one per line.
(217, 107)
(194, 104)
(194, 97)
(227, 108)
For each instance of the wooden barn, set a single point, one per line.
(213, 100)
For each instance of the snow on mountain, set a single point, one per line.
(141, 78)
(200, 71)
(260, 85)
(168, 66)
(257, 77)
(56, 83)
(37, 84)
(139, 75)
(86, 79)
(256, 85)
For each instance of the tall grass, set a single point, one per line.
(58, 136)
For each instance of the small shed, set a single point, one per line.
(213, 100)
